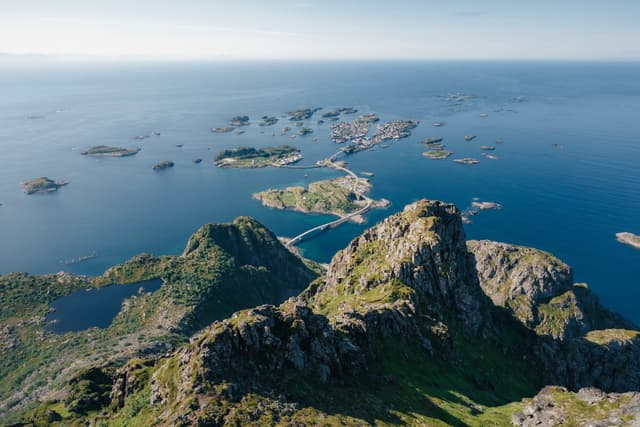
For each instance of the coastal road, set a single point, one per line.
(329, 162)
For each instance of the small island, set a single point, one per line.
(165, 164)
(437, 154)
(467, 161)
(485, 206)
(487, 147)
(268, 121)
(239, 121)
(109, 151)
(470, 137)
(339, 197)
(222, 130)
(431, 140)
(630, 239)
(42, 185)
(304, 131)
(335, 113)
(302, 114)
(197, 161)
(249, 157)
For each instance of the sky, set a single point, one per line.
(322, 29)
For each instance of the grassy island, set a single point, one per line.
(42, 185)
(337, 196)
(109, 151)
(249, 157)
(437, 154)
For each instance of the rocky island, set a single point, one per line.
(356, 132)
(630, 239)
(164, 164)
(347, 131)
(336, 113)
(249, 157)
(268, 121)
(467, 161)
(339, 196)
(302, 114)
(422, 326)
(109, 151)
(430, 141)
(485, 206)
(223, 130)
(239, 121)
(42, 185)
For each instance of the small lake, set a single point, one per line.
(90, 308)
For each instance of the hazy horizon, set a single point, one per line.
(333, 30)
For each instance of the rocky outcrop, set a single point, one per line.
(422, 248)
(578, 344)
(538, 289)
(129, 379)
(608, 359)
(588, 407)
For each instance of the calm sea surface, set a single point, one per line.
(568, 171)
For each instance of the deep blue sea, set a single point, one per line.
(568, 173)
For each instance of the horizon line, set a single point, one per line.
(225, 58)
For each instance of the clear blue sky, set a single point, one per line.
(323, 29)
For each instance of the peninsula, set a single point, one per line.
(249, 157)
(630, 239)
(42, 185)
(109, 151)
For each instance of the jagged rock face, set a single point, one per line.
(591, 407)
(519, 278)
(129, 379)
(422, 247)
(538, 289)
(263, 343)
(612, 364)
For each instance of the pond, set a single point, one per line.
(89, 308)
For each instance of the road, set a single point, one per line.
(330, 163)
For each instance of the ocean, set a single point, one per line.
(567, 173)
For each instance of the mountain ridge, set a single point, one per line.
(410, 325)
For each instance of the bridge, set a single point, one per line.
(330, 163)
